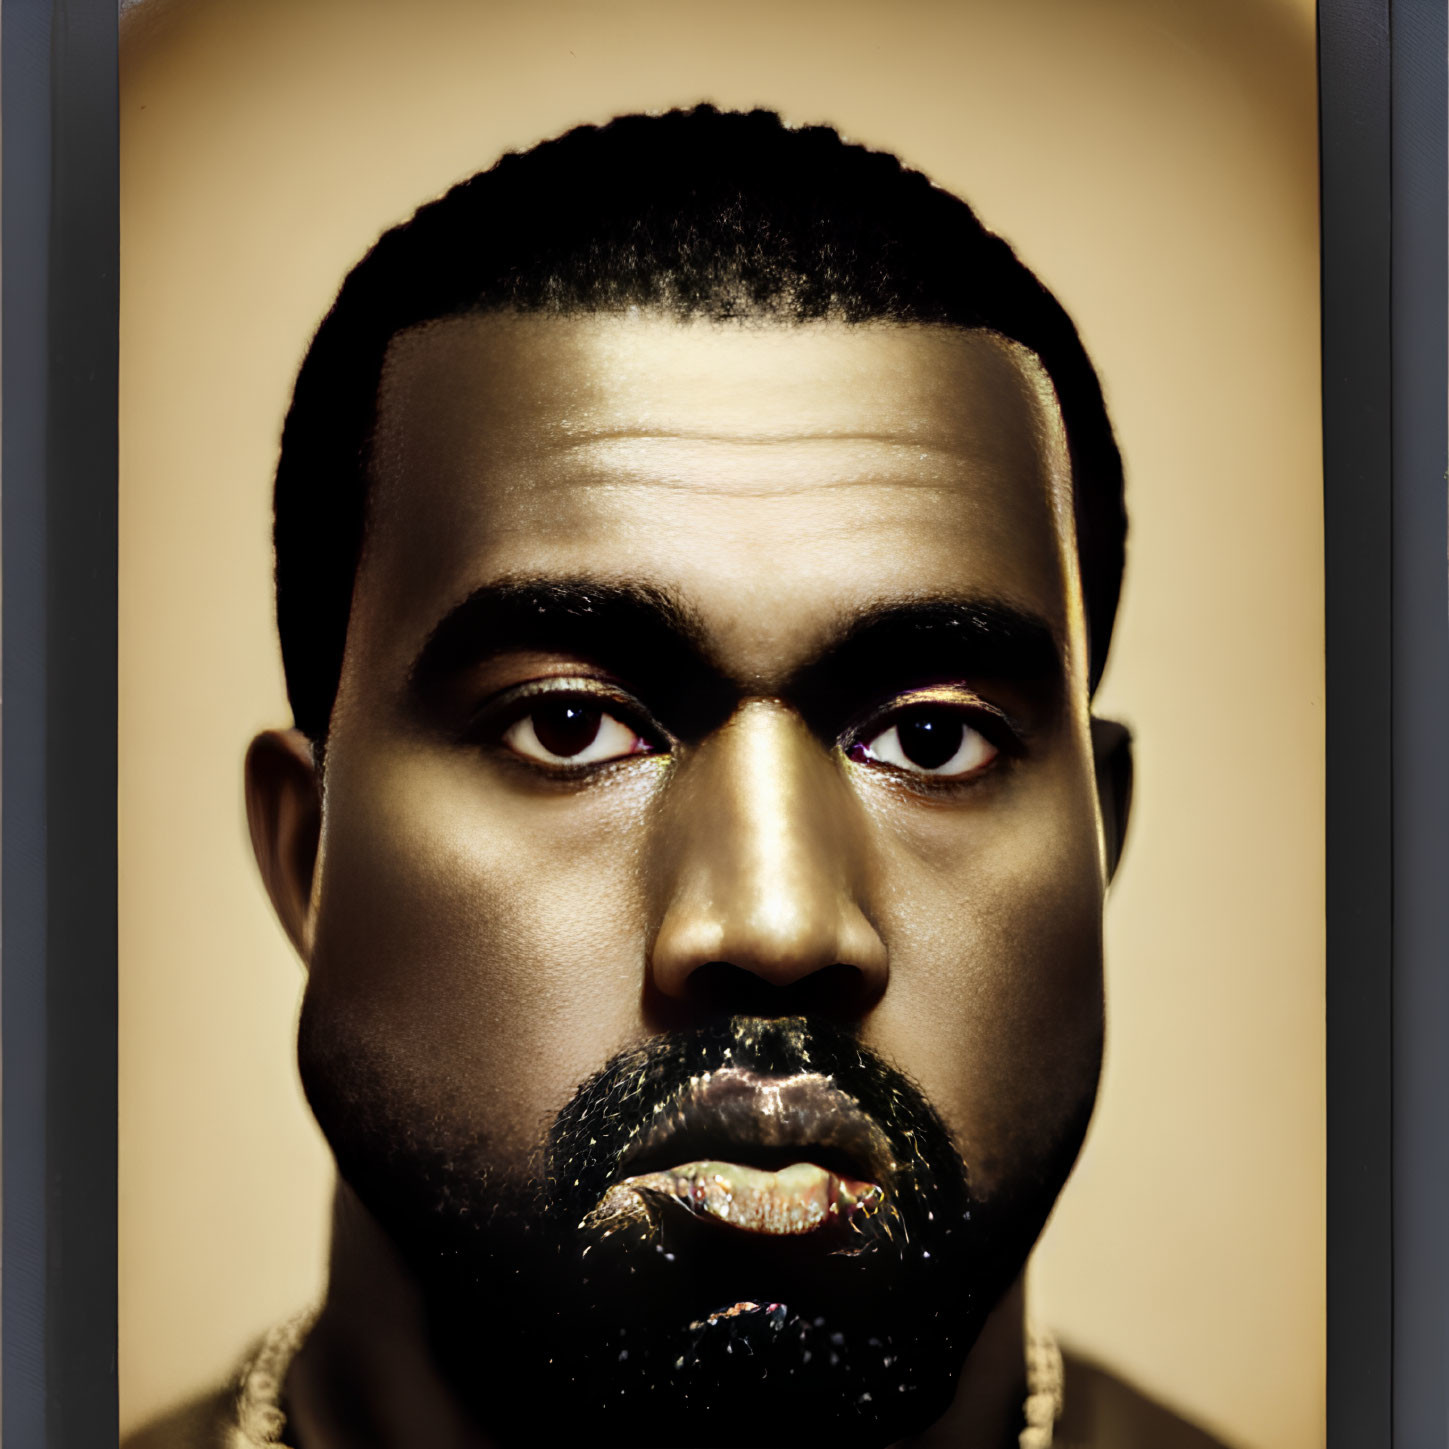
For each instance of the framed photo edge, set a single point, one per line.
(1383, 198)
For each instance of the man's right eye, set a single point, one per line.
(572, 730)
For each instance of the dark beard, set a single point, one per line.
(679, 1332)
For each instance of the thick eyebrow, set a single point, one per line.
(908, 645)
(649, 639)
(646, 636)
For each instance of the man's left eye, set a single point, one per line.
(929, 741)
(572, 731)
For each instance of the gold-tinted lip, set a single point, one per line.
(740, 1115)
(789, 1202)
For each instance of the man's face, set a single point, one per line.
(715, 689)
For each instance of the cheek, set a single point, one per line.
(484, 943)
(995, 1003)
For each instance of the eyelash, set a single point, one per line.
(1005, 738)
(499, 715)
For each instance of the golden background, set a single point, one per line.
(1155, 161)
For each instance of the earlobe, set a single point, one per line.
(284, 812)
(1112, 754)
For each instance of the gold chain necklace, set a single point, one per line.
(1043, 1406)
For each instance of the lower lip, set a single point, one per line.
(798, 1199)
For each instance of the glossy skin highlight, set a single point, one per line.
(487, 923)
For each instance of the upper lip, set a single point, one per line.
(738, 1115)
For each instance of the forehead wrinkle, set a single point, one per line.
(582, 437)
(549, 388)
(549, 448)
(733, 467)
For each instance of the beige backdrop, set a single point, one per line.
(1155, 161)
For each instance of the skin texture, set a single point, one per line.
(486, 929)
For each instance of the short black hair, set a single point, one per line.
(692, 213)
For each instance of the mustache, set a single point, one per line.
(864, 1106)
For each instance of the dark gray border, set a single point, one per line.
(1383, 407)
(1420, 264)
(1355, 135)
(1386, 496)
(24, 346)
(59, 126)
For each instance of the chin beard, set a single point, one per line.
(660, 1327)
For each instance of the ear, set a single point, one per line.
(1112, 753)
(284, 811)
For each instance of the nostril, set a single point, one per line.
(720, 987)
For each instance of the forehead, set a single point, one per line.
(765, 471)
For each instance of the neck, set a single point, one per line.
(365, 1375)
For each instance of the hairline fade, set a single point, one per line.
(697, 213)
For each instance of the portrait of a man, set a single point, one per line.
(698, 539)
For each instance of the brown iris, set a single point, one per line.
(566, 727)
(929, 737)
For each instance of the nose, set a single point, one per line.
(761, 860)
